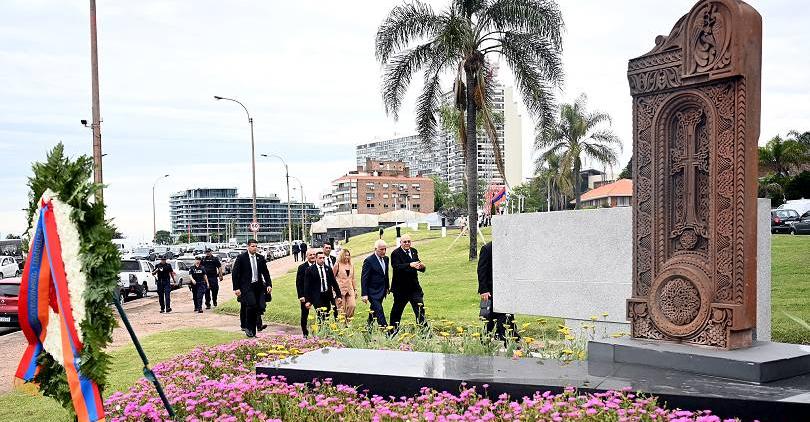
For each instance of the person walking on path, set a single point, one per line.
(495, 320)
(164, 272)
(301, 289)
(321, 288)
(295, 250)
(303, 248)
(405, 286)
(329, 262)
(251, 279)
(198, 282)
(213, 272)
(344, 273)
(374, 285)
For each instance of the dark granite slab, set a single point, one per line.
(765, 361)
(395, 373)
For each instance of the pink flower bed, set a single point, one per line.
(219, 384)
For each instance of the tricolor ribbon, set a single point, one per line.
(44, 285)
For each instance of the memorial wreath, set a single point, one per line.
(70, 275)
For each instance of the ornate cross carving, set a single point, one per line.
(689, 164)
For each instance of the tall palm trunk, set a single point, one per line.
(471, 161)
(577, 181)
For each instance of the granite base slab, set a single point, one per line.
(763, 362)
(395, 373)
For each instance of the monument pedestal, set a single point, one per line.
(762, 362)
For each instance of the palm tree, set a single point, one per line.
(779, 155)
(579, 133)
(461, 38)
(556, 179)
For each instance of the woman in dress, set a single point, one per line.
(344, 274)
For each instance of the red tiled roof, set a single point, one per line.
(621, 187)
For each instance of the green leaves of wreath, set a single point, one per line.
(71, 179)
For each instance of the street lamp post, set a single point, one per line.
(96, 125)
(154, 227)
(289, 212)
(303, 225)
(252, 155)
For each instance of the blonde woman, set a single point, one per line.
(344, 274)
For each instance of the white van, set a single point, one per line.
(801, 206)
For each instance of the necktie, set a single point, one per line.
(323, 279)
(253, 268)
(409, 254)
(382, 264)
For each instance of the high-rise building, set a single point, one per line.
(445, 158)
(217, 214)
(379, 187)
(420, 158)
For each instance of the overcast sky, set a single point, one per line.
(307, 73)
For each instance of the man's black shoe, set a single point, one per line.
(250, 333)
(199, 311)
(263, 326)
(207, 306)
(162, 311)
(168, 310)
(215, 304)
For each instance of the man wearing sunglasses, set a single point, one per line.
(405, 281)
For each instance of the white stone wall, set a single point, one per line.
(578, 264)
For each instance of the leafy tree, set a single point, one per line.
(186, 238)
(772, 191)
(627, 172)
(441, 192)
(12, 236)
(799, 186)
(163, 237)
(557, 180)
(414, 38)
(533, 192)
(118, 235)
(780, 155)
(579, 133)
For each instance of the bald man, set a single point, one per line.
(374, 284)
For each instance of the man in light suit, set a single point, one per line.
(374, 284)
(405, 286)
(251, 279)
(321, 288)
(301, 288)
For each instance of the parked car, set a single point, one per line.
(142, 253)
(225, 260)
(801, 206)
(782, 220)
(802, 226)
(9, 267)
(136, 278)
(181, 275)
(9, 291)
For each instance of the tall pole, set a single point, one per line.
(303, 225)
(289, 209)
(154, 226)
(252, 155)
(97, 174)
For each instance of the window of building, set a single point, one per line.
(354, 206)
(385, 185)
(417, 196)
(402, 205)
(415, 186)
(416, 206)
(369, 196)
(385, 196)
(385, 206)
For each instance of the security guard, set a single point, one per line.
(199, 284)
(213, 272)
(164, 271)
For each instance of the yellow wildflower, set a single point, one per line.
(444, 334)
(594, 317)
(261, 355)
(459, 330)
(476, 335)
(605, 314)
(568, 351)
(518, 353)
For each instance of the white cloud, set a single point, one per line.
(307, 72)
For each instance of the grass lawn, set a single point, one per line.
(790, 287)
(125, 371)
(450, 283)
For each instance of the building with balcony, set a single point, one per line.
(379, 187)
(219, 214)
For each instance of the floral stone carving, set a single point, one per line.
(696, 106)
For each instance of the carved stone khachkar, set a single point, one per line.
(696, 124)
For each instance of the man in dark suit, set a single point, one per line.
(496, 320)
(251, 279)
(301, 288)
(374, 284)
(321, 288)
(405, 286)
(329, 262)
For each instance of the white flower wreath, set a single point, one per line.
(76, 279)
